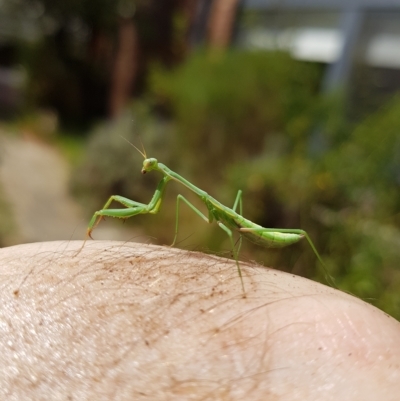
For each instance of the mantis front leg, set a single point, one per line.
(132, 207)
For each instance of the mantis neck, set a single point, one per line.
(169, 173)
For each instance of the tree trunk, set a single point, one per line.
(125, 67)
(221, 22)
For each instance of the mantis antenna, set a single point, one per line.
(130, 143)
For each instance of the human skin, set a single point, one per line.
(125, 321)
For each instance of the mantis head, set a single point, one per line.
(149, 164)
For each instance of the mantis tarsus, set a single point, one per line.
(227, 218)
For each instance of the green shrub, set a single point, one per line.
(348, 200)
(225, 105)
(256, 122)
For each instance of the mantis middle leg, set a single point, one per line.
(194, 208)
(238, 200)
(209, 220)
(235, 253)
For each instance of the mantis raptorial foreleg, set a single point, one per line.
(132, 208)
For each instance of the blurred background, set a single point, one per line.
(294, 102)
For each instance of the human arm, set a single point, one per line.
(131, 321)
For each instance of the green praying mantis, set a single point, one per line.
(228, 219)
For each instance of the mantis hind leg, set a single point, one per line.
(297, 231)
(235, 253)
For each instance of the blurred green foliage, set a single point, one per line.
(256, 121)
(69, 50)
(7, 226)
(226, 103)
(347, 199)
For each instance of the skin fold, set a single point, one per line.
(126, 321)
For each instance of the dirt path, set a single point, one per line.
(34, 178)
